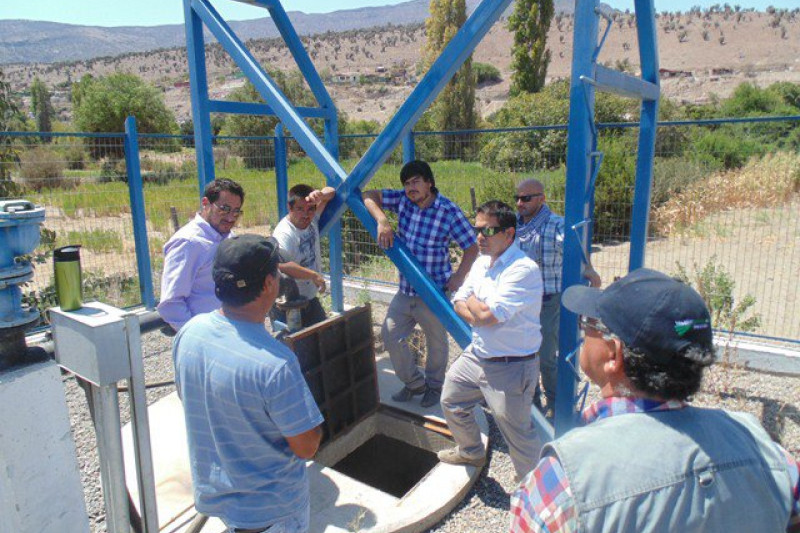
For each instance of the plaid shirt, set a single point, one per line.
(428, 232)
(542, 238)
(543, 503)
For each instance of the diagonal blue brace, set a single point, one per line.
(442, 70)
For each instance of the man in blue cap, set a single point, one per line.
(646, 460)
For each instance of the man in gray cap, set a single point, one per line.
(645, 460)
(251, 421)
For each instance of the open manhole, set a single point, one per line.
(391, 451)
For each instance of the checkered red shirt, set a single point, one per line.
(543, 503)
(428, 232)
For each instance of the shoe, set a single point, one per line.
(452, 456)
(405, 394)
(431, 398)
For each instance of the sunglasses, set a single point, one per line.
(587, 322)
(526, 197)
(226, 209)
(488, 232)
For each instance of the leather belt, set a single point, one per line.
(511, 358)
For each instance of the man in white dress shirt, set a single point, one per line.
(501, 299)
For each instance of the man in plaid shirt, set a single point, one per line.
(540, 234)
(645, 460)
(427, 222)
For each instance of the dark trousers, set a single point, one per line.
(312, 314)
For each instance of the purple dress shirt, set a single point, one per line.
(187, 288)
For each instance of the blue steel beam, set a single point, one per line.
(281, 172)
(580, 144)
(298, 51)
(335, 244)
(250, 108)
(443, 69)
(268, 90)
(648, 54)
(327, 163)
(614, 81)
(196, 54)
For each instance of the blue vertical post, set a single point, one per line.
(409, 150)
(201, 117)
(136, 192)
(335, 234)
(648, 56)
(281, 172)
(580, 141)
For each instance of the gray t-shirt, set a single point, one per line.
(302, 247)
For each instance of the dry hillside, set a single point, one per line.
(708, 54)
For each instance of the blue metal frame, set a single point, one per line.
(584, 160)
(281, 171)
(348, 187)
(136, 192)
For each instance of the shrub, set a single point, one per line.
(113, 170)
(614, 188)
(731, 151)
(75, 155)
(546, 148)
(41, 168)
(485, 73)
(716, 287)
(672, 175)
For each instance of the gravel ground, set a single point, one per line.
(775, 400)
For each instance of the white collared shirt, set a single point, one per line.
(512, 288)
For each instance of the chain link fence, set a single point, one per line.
(725, 205)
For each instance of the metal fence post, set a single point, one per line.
(409, 150)
(336, 245)
(281, 171)
(136, 191)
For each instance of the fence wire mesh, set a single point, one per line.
(725, 206)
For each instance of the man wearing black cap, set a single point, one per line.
(646, 460)
(251, 421)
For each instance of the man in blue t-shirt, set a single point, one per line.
(251, 421)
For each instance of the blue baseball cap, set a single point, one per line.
(649, 311)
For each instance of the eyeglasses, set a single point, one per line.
(527, 197)
(226, 210)
(488, 232)
(587, 322)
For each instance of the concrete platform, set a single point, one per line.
(338, 502)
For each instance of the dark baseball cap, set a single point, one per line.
(649, 311)
(243, 260)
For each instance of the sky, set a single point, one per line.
(156, 12)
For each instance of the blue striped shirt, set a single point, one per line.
(542, 239)
(428, 232)
(243, 393)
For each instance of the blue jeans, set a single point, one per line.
(548, 352)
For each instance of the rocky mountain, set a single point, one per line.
(27, 41)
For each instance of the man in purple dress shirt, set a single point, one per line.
(187, 288)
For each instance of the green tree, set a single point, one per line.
(529, 54)
(9, 116)
(454, 109)
(42, 108)
(106, 102)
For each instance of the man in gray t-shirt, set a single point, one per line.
(298, 235)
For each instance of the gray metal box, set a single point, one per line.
(92, 342)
